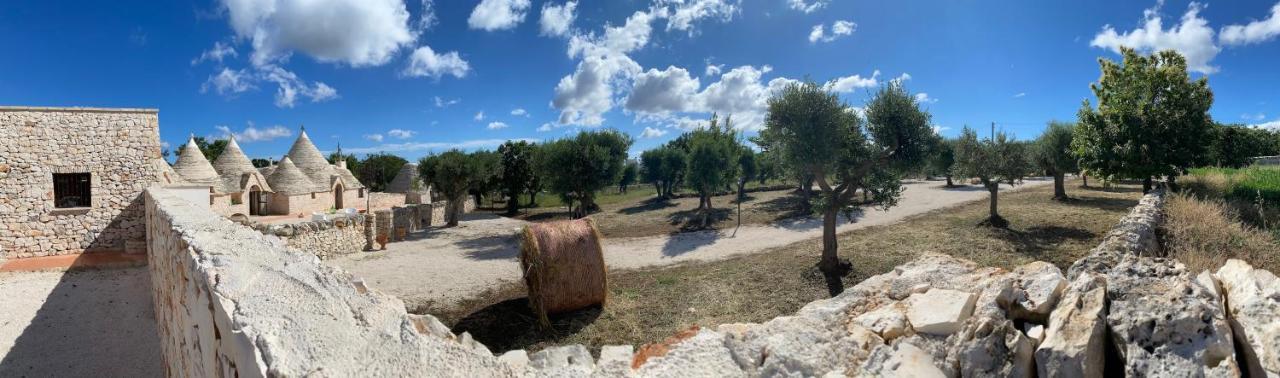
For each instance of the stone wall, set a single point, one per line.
(378, 200)
(324, 238)
(117, 147)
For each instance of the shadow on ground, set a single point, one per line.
(510, 325)
(648, 205)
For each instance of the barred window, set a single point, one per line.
(71, 190)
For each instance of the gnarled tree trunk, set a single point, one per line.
(1059, 187)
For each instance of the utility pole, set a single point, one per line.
(993, 131)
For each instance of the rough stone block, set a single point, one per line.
(1073, 342)
(939, 311)
(1253, 299)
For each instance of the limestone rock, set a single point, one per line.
(889, 322)
(1253, 300)
(939, 311)
(1035, 290)
(1073, 342)
(517, 359)
(1036, 333)
(802, 345)
(901, 360)
(991, 347)
(615, 361)
(569, 360)
(703, 355)
(1162, 322)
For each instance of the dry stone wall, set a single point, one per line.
(324, 238)
(232, 301)
(117, 147)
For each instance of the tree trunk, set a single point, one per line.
(1059, 187)
(1146, 185)
(1084, 177)
(1173, 183)
(479, 198)
(995, 199)
(830, 265)
(586, 205)
(949, 184)
(453, 211)
(706, 209)
(513, 203)
(533, 198)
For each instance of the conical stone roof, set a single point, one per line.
(232, 165)
(194, 167)
(308, 158)
(289, 179)
(403, 183)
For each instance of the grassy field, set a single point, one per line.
(639, 213)
(546, 200)
(648, 305)
(1251, 184)
(1203, 233)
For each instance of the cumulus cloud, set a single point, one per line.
(924, 98)
(218, 52)
(546, 127)
(252, 134)
(491, 15)
(838, 29)
(714, 69)
(424, 62)
(373, 137)
(1192, 37)
(355, 32)
(442, 103)
(1253, 32)
(289, 87)
(229, 82)
(497, 125)
(661, 92)
(684, 13)
(479, 116)
(519, 112)
(650, 132)
(585, 95)
(807, 7)
(850, 83)
(1253, 117)
(427, 18)
(401, 133)
(434, 146)
(1273, 125)
(557, 19)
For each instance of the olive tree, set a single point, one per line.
(1152, 120)
(578, 167)
(451, 174)
(629, 175)
(377, 170)
(993, 161)
(942, 160)
(1052, 153)
(818, 134)
(712, 163)
(664, 167)
(517, 171)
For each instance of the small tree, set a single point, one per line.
(1052, 153)
(818, 134)
(629, 175)
(576, 168)
(664, 167)
(748, 169)
(488, 174)
(451, 174)
(713, 162)
(517, 171)
(767, 167)
(377, 170)
(992, 161)
(943, 159)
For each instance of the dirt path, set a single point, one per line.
(443, 266)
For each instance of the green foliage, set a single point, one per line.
(768, 166)
(629, 175)
(211, 150)
(1251, 185)
(261, 163)
(1152, 120)
(517, 170)
(576, 168)
(450, 173)
(1234, 145)
(353, 163)
(942, 159)
(997, 161)
(488, 174)
(1052, 150)
(713, 158)
(748, 166)
(377, 170)
(664, 167)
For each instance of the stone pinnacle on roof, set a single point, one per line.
(289, 179)
(193, 166)
(308, 158)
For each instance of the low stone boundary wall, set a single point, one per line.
(325, 238)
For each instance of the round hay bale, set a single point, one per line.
(563, 265)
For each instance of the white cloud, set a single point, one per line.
(427, 18)
(924, 98)
(545, 127)
(1020, 95)
(355, 32)
(714, 69)
(289, 86)
(424, 62)
(684, 13)
(433, 146)
(229, 82)
(401, 133)
(850, 83)
(584, 96)
(662, 92)
(497, 125)
(939, 129)
(519, 112)
(442, 103)
(373, 137)
(838, 29)
(557, 19)
(1192, 37)
(479, 116)
(491, 15)
(252, 134)
(807, 7)
(650, 132)
(1253, 32)
(215, 54)
(1273, 125)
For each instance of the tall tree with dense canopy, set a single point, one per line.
(377, 170)
(488, 174)
(748, 169)
(451, 174)
(1052, 153)
(664, 167)
(1234, 146)
(1152, 120)
(517, 171)
(629, 175)
(817, 133)
(993, 161)
(713, 161)
(941, 159)
(578, 167)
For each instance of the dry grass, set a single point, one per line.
(1203, 234)
(649, 305)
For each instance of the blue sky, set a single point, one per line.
(376, 75)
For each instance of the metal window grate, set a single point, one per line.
(72, 190)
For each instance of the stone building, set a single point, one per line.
(71, 179)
